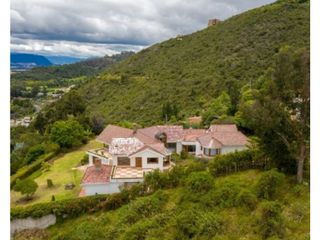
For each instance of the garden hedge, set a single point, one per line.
(29, 169)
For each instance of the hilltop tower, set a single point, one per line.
(213, 22)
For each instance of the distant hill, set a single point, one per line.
(60, 60)
(89, 67)
(192, 70)
(27, 61)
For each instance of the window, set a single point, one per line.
(191, 148)
(172, 145)
(152, 160)
(206, 151)
(211, 151)
(123, 161)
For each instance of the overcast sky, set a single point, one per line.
(88, 28)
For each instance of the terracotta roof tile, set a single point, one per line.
(157, 147)
(231, 138)
(94, 175)
(208, 141)
(112, 131)
(192, 134)
(174, 132)
(223, 128)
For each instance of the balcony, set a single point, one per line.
(102, 152)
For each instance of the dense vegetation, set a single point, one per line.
(192, 72)
(24, 89)
(252, 69)
(246, 62)
(186, 203)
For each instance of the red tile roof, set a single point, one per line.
(192, 134)
(157, 147)
(174, 132)
(94, 175)
(231, 138)
(223, 128)
(208, 141)
(112, 131)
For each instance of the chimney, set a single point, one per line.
(135, 128)
(97, 164)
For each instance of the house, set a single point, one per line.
(130, 153)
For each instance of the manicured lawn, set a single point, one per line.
(60, 173)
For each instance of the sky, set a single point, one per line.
(93, 28)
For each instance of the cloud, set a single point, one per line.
(69, 48)
(119, 22)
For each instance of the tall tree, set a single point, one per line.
(280, 114)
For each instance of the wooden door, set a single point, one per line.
(138, 162)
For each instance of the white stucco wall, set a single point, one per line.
(232, 149)
(103, 160)
(145, 154)
(179, 147)
(196, 143)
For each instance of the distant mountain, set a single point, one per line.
(87, 67)
(60, 60)
(27, 61)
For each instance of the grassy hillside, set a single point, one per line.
(180, 214)
(192, 70)
(60, 172)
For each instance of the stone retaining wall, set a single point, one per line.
(18, 225)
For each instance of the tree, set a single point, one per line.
(169, 110)
(220, 107)
(67, 133)
(97, 124)
(26, 187)
(40, 123)
(34, 91)
(280, 113)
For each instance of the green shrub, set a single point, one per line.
(53, 198)
(187, 224)
(176, 176)
(29, 169)
(247, 199)
(45, 167)
(26, 187)
(225, 195)
(63, 208)
(49, 183)
(269, 183)
(34, 152)
(85, 159)
(145, 207)
(211, 225)
(184, 154)
(199, 182)
(271, 222)
(232, 162)
(196, 167)
(139, 230)
(156, 179)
